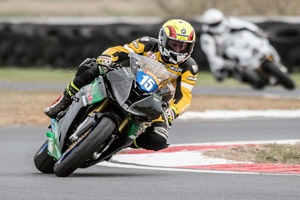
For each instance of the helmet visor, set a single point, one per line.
(217, 28)
(214, 24)
(178, 46)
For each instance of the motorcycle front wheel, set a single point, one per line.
(43, 161)
(282, 77)
(84, 150)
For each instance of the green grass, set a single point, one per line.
(265, 153)
(38, 75)
(206, 78)
(296, 78)
(15, 74)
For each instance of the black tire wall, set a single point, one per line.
(67, 45)
(285, 37)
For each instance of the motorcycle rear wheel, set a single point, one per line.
(85, 149)
(254, 79)
(43, 161)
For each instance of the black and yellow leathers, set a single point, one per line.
(183, 75)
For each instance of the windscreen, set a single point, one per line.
(151, 75)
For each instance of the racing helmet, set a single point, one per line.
(176, 40)
(213, 21)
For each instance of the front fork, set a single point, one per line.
(102, 106)
(78, 135)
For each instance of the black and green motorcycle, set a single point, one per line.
(106, 116)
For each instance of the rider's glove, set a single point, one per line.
(105, 63)
(171, 113)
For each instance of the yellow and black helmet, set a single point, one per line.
(176, 40)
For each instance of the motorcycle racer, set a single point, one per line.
(173, 48)
(216, 30)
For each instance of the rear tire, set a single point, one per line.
(282, 77)
(43, 161)
(85, 149)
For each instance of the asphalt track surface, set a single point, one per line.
(20, 180)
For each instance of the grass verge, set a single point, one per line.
(267, 153)
(36, 75)
(49, 75)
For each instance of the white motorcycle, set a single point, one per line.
(257, 62)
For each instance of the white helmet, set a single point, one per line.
(213, 21)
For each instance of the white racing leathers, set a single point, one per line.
(216, 45)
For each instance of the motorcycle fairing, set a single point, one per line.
(121, 84)
(149, 106)
(94, 92)
(53, 147)
(66, 122)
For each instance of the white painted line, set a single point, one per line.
(240, 143)
(182, 157)
(239, 114)
(120, 165)
(173, 159)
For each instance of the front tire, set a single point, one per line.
(282, 77)
(43, 161)
(84, 150)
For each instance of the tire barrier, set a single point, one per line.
(67, 45)
(63, 45)
(285, 37)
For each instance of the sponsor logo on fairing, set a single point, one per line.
(89, 96)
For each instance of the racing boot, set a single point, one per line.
(63, 102)
(154, 138)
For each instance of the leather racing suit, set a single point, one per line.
(183, 75)
(214, 44)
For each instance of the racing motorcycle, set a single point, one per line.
(106, 116)
(256, 61)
